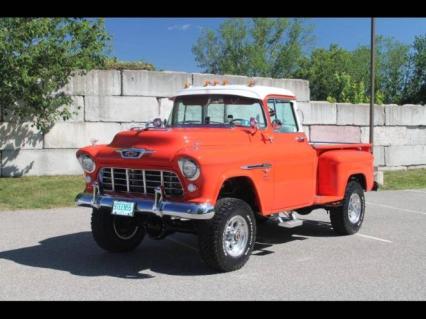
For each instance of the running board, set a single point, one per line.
(288, 220)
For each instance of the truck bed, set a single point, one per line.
(322, 147)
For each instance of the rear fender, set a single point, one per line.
(336, 167)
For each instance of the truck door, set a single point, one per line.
(294, 159)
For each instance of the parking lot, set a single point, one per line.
(50, 255)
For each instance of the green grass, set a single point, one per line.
(39, 191)
(408, 179)
(59, 191)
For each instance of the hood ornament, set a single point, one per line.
(134, 153)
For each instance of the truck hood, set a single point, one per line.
(165, 143)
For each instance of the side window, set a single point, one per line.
(191, 113)
(285, 116)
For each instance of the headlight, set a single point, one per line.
(87, 163)
(189, 168)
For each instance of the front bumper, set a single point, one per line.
(145, 205)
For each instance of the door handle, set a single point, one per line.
(300, 139)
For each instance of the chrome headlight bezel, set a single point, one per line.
(189, 168)
(87, 163)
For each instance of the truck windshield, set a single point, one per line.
(216, 110)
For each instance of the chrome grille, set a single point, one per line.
(139, 181)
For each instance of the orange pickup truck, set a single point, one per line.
(227, 158)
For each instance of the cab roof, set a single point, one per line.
(256, 91)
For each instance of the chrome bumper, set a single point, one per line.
(145, 205)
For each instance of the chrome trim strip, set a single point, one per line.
(146, 205)
(257, 166)
(144, 181)
(112, 179)
(127, 181)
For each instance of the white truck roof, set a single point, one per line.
(256, 91)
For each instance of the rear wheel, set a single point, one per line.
(227, 240)
(347, 219)
(115, 233)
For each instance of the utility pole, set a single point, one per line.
(372, 74)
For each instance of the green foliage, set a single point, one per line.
(37, 58)
(340, 75)
(253, 47)
(415, 90)
(114, 64)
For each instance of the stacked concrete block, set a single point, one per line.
(405, 155)
(409, 115)
(96, 82)
(359, 114)
(153, 83)
(379, 155)
(76, 135)
(299, 87)
(386, 136)
(166, 106)
(318, 112)
(109, 101)
(19, 136)
(40, 162)
(121, 108)
(341, 134)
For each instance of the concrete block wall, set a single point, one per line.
(106, 102)
(399, 133)
(110, 101)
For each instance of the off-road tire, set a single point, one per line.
(210, 235)
(105, 235)
(339, 216)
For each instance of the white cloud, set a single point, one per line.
(180, 27)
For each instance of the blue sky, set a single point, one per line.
(167, 42)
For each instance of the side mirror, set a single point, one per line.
(157, 122)
(253, 125)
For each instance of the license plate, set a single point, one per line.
(123, 208)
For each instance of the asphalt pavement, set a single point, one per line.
(50, 255)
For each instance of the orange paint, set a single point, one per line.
(300, 175)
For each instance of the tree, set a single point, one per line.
(321, 67)
(415, 90)
(253, 47)
(38, 57)
(339, 75)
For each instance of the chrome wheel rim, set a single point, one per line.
(354, 209)
(235, 236)
(124, 229)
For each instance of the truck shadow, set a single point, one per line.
(269, 234)
(79, 255)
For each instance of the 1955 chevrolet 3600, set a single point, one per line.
(228, 158)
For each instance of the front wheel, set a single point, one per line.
(227, 240)
(347, 219)
(115, 233)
